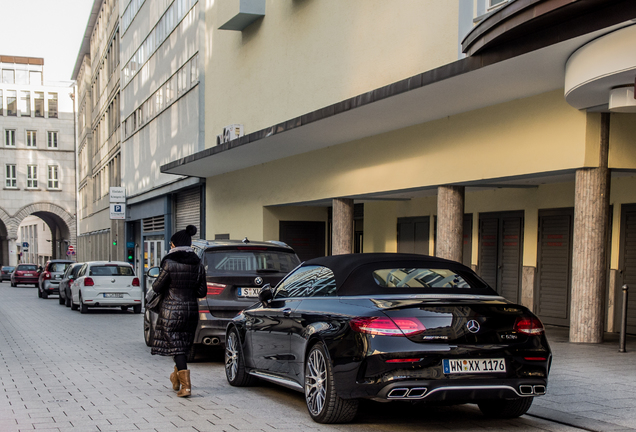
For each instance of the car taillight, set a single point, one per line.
(387, 326)
(89, 282)
(529, 326)
(135, 282)
(46, 275)
(215, 288)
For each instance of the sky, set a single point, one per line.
(51, 29)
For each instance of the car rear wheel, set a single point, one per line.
(148, 329)
(60, 299)
(67, 301)
(235, 371)
(505, 408)
(324, 405)
(39, 293)
(137, 309)
(83, 306)
(45, 295)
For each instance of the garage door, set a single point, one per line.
(412, 235)
(554, 267)
(307, 238)
(500, 245)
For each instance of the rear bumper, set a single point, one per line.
(92, 297)
(211, 328)
(51, 287)
(25, 280)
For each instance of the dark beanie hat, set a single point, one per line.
(184, 237)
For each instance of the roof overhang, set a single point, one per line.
(465, 85)
(85, 48)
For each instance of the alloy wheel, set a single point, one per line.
(315, 382)
(231, 356)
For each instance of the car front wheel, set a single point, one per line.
(324, 405)
(505, 408)
(235, 371)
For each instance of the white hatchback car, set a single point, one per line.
(106, 284)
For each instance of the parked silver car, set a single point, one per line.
(50, 277)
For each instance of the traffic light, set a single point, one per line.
(114, 242)
(131, 256)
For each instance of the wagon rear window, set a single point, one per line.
(59, 267)
(419, 278)
(250, 260)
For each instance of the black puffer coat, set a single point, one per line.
(182, 281)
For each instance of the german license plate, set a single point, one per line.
(468, 366)
(248, 292)
(113, 295)
(28, 274)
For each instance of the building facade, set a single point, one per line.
(476, 131)
(37, 153)
(97, 76)
(34, 241)
(162, 106)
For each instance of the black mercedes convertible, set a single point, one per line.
(390, 327)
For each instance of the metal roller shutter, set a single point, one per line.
(188, 211)
(628, 265)
(554, 266)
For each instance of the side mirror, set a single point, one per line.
(153, 272)
(266, 294)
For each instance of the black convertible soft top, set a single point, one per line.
(354, 273)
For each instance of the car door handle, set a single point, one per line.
(287, 311)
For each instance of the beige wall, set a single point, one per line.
(307, 54)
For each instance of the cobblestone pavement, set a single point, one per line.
(61, 370)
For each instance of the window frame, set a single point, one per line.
(10, 178)
(53, 183)
(50, 134)
(32, 176)
(7, 133)
(52, 96)
(31, 139)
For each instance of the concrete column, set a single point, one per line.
(13, 252)
(591, 213)
(450, 222)
(342, 232)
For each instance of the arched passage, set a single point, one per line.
(61, 223)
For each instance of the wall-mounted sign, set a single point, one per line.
(118, 211)
(117, 194)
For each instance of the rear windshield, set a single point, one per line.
(27, 267)
(8, 268)
(111, 270)
(250, 261)
(419, 278)
(59, 267)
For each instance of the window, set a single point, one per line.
(52, 105)
(21, 76)
(9, 138)
(194, 69)
(495, 3)
(32, 176)
(1, 103)
(35, 77)
(53, 180)
(12, 106)
(8, 76)
(31, 139)
(39, 104)
(309, 281)
(11, 180)
(419, 278)
(52, 139)
(25, 104)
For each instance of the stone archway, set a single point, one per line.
(62, 225)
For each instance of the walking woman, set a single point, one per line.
(181, 281)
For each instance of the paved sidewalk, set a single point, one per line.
(64, 371)
(591, 386)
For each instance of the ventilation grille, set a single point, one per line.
(155, 223)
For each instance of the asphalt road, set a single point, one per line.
(61, 371)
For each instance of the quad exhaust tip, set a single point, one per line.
(407, 393)
(527, 390)
(211, 341)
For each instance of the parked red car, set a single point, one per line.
(25, 274)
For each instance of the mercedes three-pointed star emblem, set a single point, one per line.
(472, 326)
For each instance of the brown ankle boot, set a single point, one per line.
(174, 379)
(184, 379)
